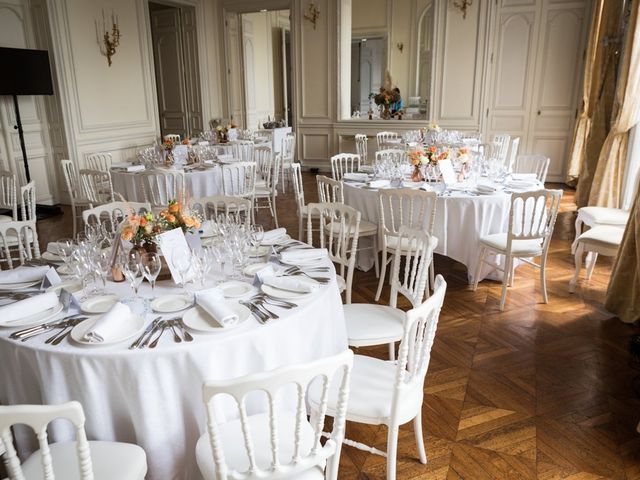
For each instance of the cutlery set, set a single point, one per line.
(258, 306)
(65, 326)
(152, 334)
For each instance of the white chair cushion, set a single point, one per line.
(110, 460)
(6, 218)
(603, 216)
(605, 235)
(371, 393)
(262, 192)
(371, 324)
(261, 182)
(392, 243)
(498, 242)
(235, 455)
(368, 228)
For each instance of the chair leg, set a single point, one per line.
(476, 277)
(512, 273)
(417, 427)
(591, 264)
(376, 262)
(392, 452)
(383, 271)
(432, 276)
(301, 228)
(505, 281)
(576, 275)
(543, 278)
(392, 351)
(574, 245)
(272, 204)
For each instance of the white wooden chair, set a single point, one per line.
(21, 235)
(298, 192)
(599, 240)
(8, 199)
(174, 137)
(277, 444)
(361, 147)
(372, 324)
(78, 201)
(513, 154)
(21, 175)
(100, 161)
(212, 206)
(242, 150)
(114, 212)
(160, 187)
(404, 207)
(531, 220)
(500, 149)
(339, 233)
(78, 460)
(390, 393)
(96, 186)
(262, 156)
(239, 180)
(537, 164)
(344, 163)
(288, 152)
(392, 154)
(28, 201)
(268, 192)
(386, 140)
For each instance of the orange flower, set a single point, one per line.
(143, 221)
(127, 233)
(432, 149)
(170, 218)
(186, 142)
(174, 207)
(189, 222)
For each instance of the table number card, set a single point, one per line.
(172, 244)
(447, 171)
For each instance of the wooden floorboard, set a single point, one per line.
(537, 391)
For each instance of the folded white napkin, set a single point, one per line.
(522, 184)
(273, 235)
(524, 176)
(291, 284)
(366, 168)
(52, 247)
(356, 177)
(378, 183)
(203, 143)
(270, 271)
(483, 188)
(128, 167)
(109, 325)
(23, 274)
(29, 306)
(212, 301)
(292, 256)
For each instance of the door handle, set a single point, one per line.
(539, 112)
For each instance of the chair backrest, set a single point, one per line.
(8, 193)
(268, 384)
(395, 155)
(501, 146)
(288, 148)
(28, 201)
(405, 207)
(538, 164)
(174, 137)
(533, 215)
(22, 234)
(382, 138)
(361, 147)
(114, 212)
(415, 347)
(410, 267)
(99, 161)
(263, 158)
(96, 186)
(38, 417)
(71, 178)
(20, 172)
(160, 187)
(239, 179)
(150, 156)
(513, 154)
(212, 206)
(339, 232)
(242, 150)
(344, 163)
(298, 186)
(329, 190)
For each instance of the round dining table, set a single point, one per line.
(462, 218)
(153, 397)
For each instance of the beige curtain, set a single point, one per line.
(623, 294)
(607, 181)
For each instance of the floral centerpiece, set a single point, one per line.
(386, 96)
(167, 146)
(176, 216)
(140, 230)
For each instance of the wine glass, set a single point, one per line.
(103, 265)
(151, 266)
(65, 249)
(182, 264)
(132, 269)
(256, 235)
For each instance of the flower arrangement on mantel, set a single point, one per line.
(386, 96)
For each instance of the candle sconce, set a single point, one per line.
(110, 41)
(312, 14)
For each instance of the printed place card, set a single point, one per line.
(173, 244)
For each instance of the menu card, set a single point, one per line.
(447, 171)
(172, 244)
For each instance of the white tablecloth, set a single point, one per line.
(153, 398)
(461, 219)
(198, 184)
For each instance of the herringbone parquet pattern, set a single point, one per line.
(539, 391)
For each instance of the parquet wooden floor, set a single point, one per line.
(538, 391)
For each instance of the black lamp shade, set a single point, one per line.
(25, 72)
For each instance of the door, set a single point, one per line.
(235, 74)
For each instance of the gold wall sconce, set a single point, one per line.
(312, 14)
(400, 46)
(110, 40)
(462, 6)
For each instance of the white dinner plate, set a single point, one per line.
(35, 319)
(309, 262)
(261, 251)
(483, 192)
(70, 286)
(51, 257)
(134, 326)
(198, 320)
(276, 241)
(286, 294)
(18, 286)
(64, 269)
(99, 304)
(253, 268)
(171, 303)
(235, 289)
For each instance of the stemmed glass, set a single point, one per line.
(182, 263)
(132, 269)
(151, 266)
(256, 235)
(65, 249)
(102, 262)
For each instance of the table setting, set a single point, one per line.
(135, 353)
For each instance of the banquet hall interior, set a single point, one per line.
(341, 239)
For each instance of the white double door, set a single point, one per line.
(537, 62)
